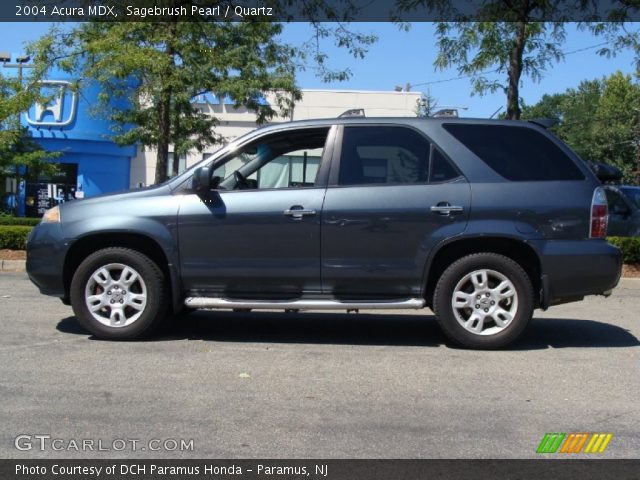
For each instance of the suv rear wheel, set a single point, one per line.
(119, 294)
(484, 300)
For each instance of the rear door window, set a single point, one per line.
(374, 155)
(379, 155)
(516, 153)
(441, 169)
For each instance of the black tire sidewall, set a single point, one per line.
(450, 278)
(155, 308)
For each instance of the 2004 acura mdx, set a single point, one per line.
(480, 220)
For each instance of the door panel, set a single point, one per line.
(393, 196)
(258, 235)
(242, 243)
(376, 239)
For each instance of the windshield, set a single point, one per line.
(633, 194)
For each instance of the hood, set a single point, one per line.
(69, 208)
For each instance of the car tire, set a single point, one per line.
(483, 301)
(119, 294)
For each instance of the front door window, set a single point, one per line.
(290, 160)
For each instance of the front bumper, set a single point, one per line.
(573, 269)
(46, 250)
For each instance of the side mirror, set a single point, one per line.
(201, 180)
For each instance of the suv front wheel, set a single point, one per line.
(119, 294)
(484, 300)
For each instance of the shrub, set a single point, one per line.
(14, 237)
(630, 247)
(9, 220)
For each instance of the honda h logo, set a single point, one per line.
(60, 110)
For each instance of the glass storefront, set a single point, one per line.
(45, 191)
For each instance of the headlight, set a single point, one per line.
(52, 215)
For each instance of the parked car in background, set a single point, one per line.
(632, 193)
(482, 221)
(624, 210)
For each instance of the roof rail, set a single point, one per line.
(352, 112)
(446, 113)
(544, 122)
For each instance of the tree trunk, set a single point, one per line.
(164, 113)
(164, 125)
(515, 71)
(175, 168)
(16, 207)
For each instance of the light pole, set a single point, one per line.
(20, 64)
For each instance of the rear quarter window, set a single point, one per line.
(516, 153)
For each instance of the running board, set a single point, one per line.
(211, 302)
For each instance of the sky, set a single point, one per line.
(400, 57)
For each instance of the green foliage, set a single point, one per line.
(161, 66)
(630, 247)
(480, 50)
(14, 98)
(498, 42)
(617, 34)
(427, 106)
(310, 52)
(17, 148)
(14, 237)
(599, 120)
(10, 220)
(17, 94)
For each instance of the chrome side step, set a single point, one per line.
(211, 302)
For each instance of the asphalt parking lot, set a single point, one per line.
(318, 385)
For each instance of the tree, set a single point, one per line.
(426, 106)
(516, 38)
(598, 120)
(17, 148)
(618, 35)
(516, 48)
(159, 67)
(617, 129)
(162, 66)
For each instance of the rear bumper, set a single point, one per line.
(573, 269)
(46, 250)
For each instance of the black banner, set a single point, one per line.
(318, 10)
(319, 469)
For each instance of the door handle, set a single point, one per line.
(298, 211)
(445, 208)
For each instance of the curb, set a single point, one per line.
(13, 265)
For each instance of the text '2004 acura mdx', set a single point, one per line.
(480, 221)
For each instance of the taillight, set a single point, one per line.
(599, 214)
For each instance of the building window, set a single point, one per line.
(182, 164)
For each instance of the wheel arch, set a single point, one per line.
(515, 249)
(88, 244)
